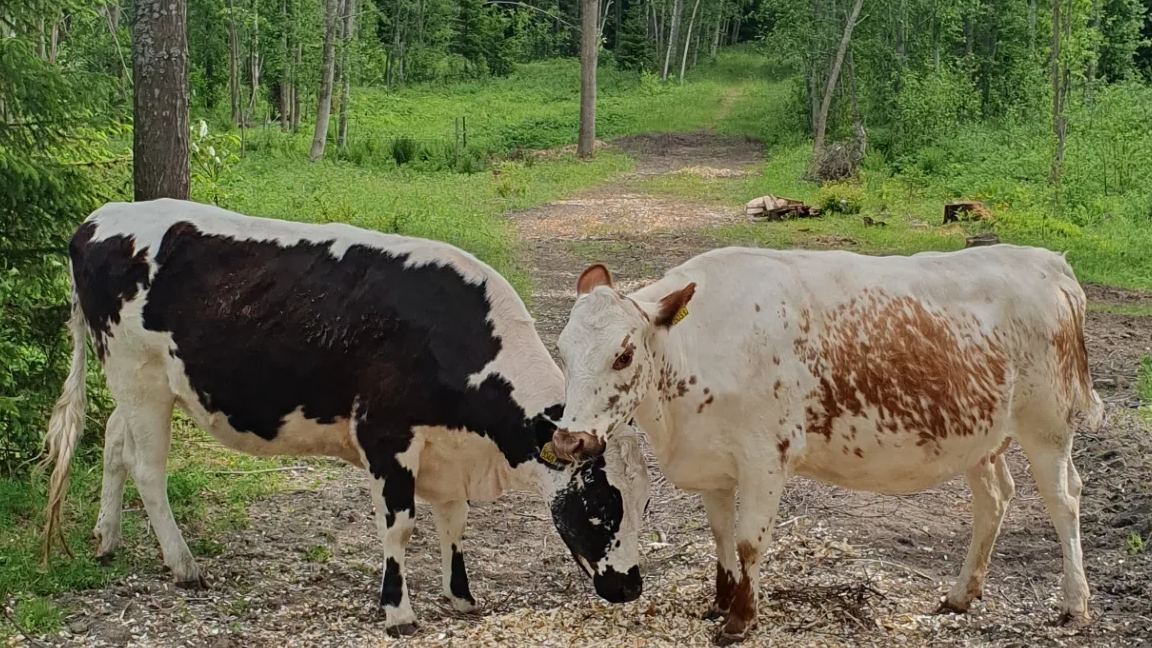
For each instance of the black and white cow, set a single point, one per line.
(409, 358)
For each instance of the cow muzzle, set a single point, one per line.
(574, 446)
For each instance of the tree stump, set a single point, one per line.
(987, 238)
(955, 212)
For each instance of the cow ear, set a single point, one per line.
(593, 276)
(674, 306)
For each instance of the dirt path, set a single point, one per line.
(847, 569)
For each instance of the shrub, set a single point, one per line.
(841, 197)
(404, 150)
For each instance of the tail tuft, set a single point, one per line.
(65, 428)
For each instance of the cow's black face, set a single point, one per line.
(598, 513)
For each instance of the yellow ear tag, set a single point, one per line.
(547, 455)
(680, 314)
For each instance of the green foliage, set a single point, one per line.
(1121, 26)
(1144, 379)
(1135, 544)
(404, 150)
(634, 50)
(213, 158)
(49, 135)
(841, 197)
(929, 106)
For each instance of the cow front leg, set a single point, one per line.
(394, 496)
(720, 506)
(450, 520)
(759, 501)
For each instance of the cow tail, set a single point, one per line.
(1088, 401)
(66, 426)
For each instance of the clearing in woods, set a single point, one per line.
(847, 568)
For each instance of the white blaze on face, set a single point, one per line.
(604, 353)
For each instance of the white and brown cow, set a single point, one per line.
(883, 374)
(409, 358)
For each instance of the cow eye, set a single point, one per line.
(623, 360)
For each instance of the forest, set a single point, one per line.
(447, 119)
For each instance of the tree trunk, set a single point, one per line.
(589, 49)
(833, 77)
(296, 87)
(901, 37)
(254, 60)
(327, 68)
(968, 35)
(857, 119)
(345, 88)
(285, 71)
(716, 36)
(1059, 121)
(420, 22)
(53, 43)
(619, 19)
(673, 36)
(160, 103)
(688, 41)
(234, 63)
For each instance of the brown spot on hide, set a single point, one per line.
(782, 447)
(705, 403)
(743, 609)
(928, 372)
(691, 380)
(775, 360)
(858, 452)
(725, 588)
(1071, 355)
(757, 308)
(776, 388)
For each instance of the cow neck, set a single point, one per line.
(654, 413)
(537, 384)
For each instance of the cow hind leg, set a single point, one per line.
(148, 423)
(1059, 485)
(107, 529)
(394, 496)
(450, 520)
(992, 490)
(720, 506)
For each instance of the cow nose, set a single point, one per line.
(573, 446)
(614, 587)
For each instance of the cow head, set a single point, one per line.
(606, 351)
(598, 507)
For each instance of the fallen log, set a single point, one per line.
(773, 208)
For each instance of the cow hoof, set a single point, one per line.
(105, 560)
(727, 638)
(714, 614)
(464, 606)
(198, 583)
(402, 630)
(947, 607)
(1074, 620)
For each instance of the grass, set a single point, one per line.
(207, 499)
(1131, 310)
(1144, 379)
